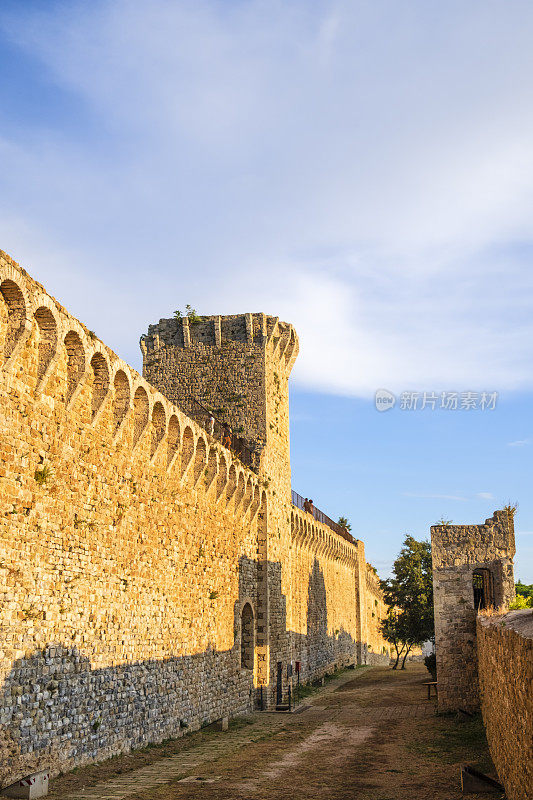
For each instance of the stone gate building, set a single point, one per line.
(156, 572)
(472, 571)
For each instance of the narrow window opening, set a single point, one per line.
(483, 584)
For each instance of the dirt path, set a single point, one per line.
(370, 735)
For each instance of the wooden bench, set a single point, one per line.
(429, 684)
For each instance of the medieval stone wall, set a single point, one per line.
(458, 551)
(146, 575)
(377, 649)
(322, 609)
(505, 663)
(128, 546)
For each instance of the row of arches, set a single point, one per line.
(113, 382)
(321, 538)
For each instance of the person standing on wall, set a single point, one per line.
(226, 441)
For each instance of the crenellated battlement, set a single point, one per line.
(218, 332)
(237, 367)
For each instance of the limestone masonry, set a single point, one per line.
(472, 571)
(153, 579)
(505, 658)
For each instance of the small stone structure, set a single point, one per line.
(153, 580)
(472, 570)
(505, 666)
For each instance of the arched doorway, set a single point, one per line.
(483, 584)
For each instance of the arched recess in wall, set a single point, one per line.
(141, 411)
(47, 328)
(75, 362)
(211, 470)
(239, 493)
(247, 637)
(187, 450)
(200, 459)
(100, 382)
(222, 475)
(248, 496)
(16, 314)
(121, 399)
(256, 501)
(158, 426)
(231, 487)
(173, 438)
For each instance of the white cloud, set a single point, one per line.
(485, 496)
(519, 443)
(434, 496)
(361, 170)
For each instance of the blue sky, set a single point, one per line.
(364, 170)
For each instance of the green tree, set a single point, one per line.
(409, 595)
(524, 596)
(391, 628)
(526, 590)
(343, 522)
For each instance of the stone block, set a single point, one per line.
(30, 788)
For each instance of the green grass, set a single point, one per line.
(456, 741)
(304, 690)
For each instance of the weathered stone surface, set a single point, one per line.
(131, 541)
(505, 663)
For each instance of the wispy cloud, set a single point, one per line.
(434, 496)
(519, 443)
(485, 496)
(297, 158)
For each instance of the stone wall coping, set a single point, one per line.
(519, 621)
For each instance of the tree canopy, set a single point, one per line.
(409, 595)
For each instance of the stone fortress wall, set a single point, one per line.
(377, 650)
(150, 581)
(322, 609)
(472, 569)
(505, 664)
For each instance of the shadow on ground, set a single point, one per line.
(369, 734)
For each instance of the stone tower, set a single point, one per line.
(472, 570)
(238, 368)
